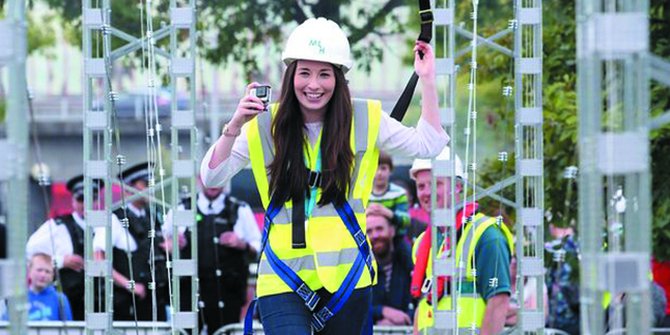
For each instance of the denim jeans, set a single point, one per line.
(286, 314)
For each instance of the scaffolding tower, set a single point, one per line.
(14, 165)
(529, 175)
(614, 181)
(99, 162)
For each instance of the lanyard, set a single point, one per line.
(314, 154)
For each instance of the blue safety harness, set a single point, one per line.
(311, 298)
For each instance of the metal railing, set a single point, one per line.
(238, 329)
(78, 328)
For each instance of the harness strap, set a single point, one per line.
(298, 226)
(249, 318)
(292, 280)
(426, 34)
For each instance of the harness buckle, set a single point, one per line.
(359, 237)
(427, 284)
(319, 319)
(314, 179)
(368, 262)
(426, 16)
(310, 297)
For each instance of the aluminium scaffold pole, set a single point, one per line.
(97, 151)
(184, 162)
(528, 118)
(444, 218)
(14, 165)
(614, 178)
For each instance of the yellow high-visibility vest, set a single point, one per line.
(471, 305)
(331, 250)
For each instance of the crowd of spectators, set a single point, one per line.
(55, 254)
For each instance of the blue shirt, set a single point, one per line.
(45, 305)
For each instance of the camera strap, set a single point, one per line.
(426, 34)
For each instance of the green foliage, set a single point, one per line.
(661, 195)
(41, 35)
(561, 119)
(230, 30)
(660, 143)
(3, 109)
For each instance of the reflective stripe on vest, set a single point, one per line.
(329, 243)
(468, 241)
(471, 306)
(465, 303)
(429, 269)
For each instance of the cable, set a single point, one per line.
(154, 153)
(120, 161)
(471, 136)
(43, 181)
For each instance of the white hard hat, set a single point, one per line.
(421, 164)
(318, 40)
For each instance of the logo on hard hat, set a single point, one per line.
(317, 44)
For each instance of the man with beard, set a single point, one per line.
(391, 301)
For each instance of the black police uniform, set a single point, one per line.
(139, 228)
(72, 281)
(222, 271)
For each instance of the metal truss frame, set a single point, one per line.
(98, 160)
(614, 181)
(527, 54)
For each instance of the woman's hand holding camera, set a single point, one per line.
(248, 107)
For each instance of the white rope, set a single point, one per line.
(470, 167)
(120, 161)
(154, 153)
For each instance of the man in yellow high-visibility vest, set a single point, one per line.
(484, 249)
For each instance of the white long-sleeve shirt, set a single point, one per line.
(245, 228)
(53, 239)
(121, 239)
(424, 141)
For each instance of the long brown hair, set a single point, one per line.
(288, 173)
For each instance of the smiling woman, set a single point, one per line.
(313, 85)
(314, 157)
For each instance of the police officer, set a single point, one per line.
(132, 244)
(63, 239)
(228, 237)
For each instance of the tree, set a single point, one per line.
(561, 119)
(41, 39)
(230, 29)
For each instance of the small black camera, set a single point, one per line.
(263, 92)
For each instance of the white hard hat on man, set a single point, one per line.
(320, 40)
(421, 164)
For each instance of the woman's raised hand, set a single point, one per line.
(424, 67)
(248, 107)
